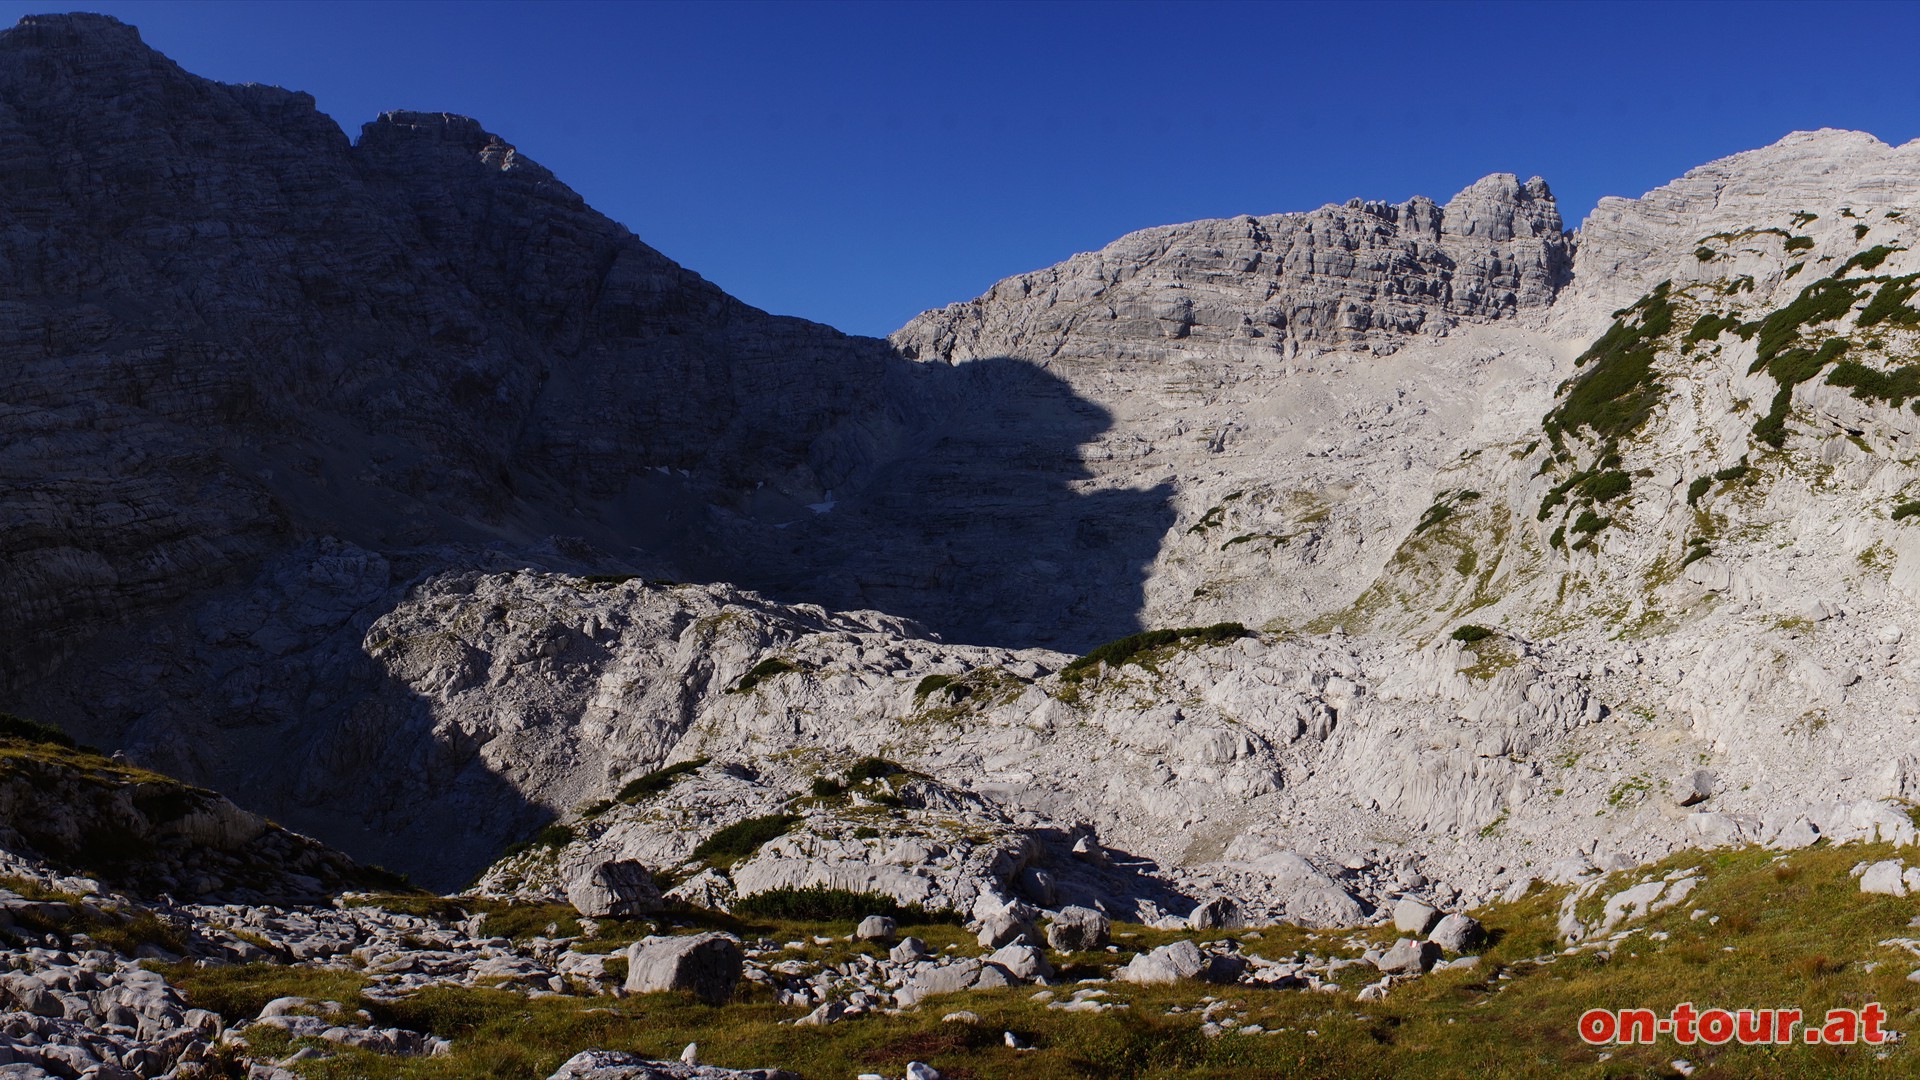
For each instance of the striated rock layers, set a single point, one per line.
(349, 475)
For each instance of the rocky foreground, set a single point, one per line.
(102, 985)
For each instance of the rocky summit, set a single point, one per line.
(1290, 626)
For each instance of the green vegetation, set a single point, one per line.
(1559, 537)
(1135, 648)
(821, 904)
(1799, 243)
(1894, 387)
(1860, 231)
(1906, 510)
(1889, 304)
(872, 768)
(932, 684)
(1470, 633)
(1802, 217)
(33, 731)
(1442, 509)
(1785, 930)
(1869, 259)
(1619, 391)
(1212, 519)
(1822, 301)
(1697, 488)
(1790, 369)
(742, 838)
(1590, 522)
(658, 780)
(551, 838)
(826, 787)
(1695, 555)
(765, 669)
(1604, 486)
(1709, 326)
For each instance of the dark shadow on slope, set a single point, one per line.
(975, 523)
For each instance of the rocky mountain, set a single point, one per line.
(384, 485)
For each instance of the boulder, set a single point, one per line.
(1884, 877)
(1408, 957)
(1219, 913)
(1694, 789)
(1078, 929)
(1005, 928)
(909, 950)
(1411, 916)
(1458, 933)
(621, 888)
(1324, 907)
(1023, 961)
(707, 965)
(1166, 964)
(874, 928)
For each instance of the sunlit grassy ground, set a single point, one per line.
(1792, 932)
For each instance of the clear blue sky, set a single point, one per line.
(855, 163)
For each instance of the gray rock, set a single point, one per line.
(1219, 913)
(1884, 877)
(1408, 956)
(909, 949)
(1412, 916)
(707, 965)
(874, 928)
(617, 1065)
(1458, 932)
(1166, 964)
(621, 888)
(1695, 789)
(1078, 929)
(1022, 961)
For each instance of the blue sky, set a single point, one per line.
(855, 163)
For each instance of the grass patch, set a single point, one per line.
(658, 780)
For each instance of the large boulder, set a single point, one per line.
(621, 888)
(1458, 933)
(1411, 916)
(1078, 929)
(706, 965)
(874, 928)
(1166, 964)
(1219, 913)
(1408, 957)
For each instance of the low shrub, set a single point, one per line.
(932, 684)
(742, 838)
(1128, 649)
(658, 780)
(821, 904)
(1470, 633)
(19, 727)
(871, 768)
(765, 669)
(1906, 510)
